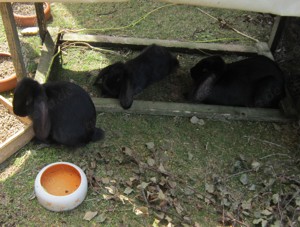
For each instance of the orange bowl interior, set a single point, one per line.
(60, 179)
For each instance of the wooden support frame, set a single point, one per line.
(188, 110)
(47, 55)
(41, 20)
(179, 109)
(276, 32)
(138, 43)
(13, 39)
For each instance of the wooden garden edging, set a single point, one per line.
(174, 45)
(188, 110)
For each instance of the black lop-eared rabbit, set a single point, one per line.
(124, 80)
(252, 82)
(62, 112)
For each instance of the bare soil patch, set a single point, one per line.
(9, 124)
(6, 67)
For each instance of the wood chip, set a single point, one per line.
(9, 124)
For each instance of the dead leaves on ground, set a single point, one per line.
(251, 193)
(266, 198)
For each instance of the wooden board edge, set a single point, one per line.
(12, 144)
(47, 55)
(188, 110)
(139, 43)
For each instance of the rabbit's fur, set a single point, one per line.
(61, 112)
(124, 80)
(252, 82)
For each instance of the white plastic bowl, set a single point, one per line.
(60, 186)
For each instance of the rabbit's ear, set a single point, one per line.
(40, 116)
(203, 90)
(126, 93)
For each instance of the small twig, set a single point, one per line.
(268, 142)
(228, 26)
(294, 196)
(277, 154)
(108, 13)
(279, 210)
(294, 180)
(145, 198)
(232, 219)
(73, 44)
(239, 173)
(223, 216)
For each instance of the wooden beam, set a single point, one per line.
(47, 55)
(276, 32)
(114, 41)
(189, 110)
(41, 21)
(13, 39)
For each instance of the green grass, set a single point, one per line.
(214, 146)
(193, 154)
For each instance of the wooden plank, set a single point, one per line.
(112, 41)
(13, 39)
(41, 21)
(276, 32)
(47, 55)
(189, 110)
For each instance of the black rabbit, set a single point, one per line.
(252, 82)
(61, 112)
(124, 80)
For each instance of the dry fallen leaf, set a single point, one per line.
(141, 211)
(161, 195)
(150, 145)
(100, 218)
(123, 198)
(111, 189)
(150, 161)
(210, 188)
(108, 197)
(105, 180)
(127, 151)
(244, 179)
(128, 190)
(90, 215)
(178, 206)
(161, 168)
(143, 185)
